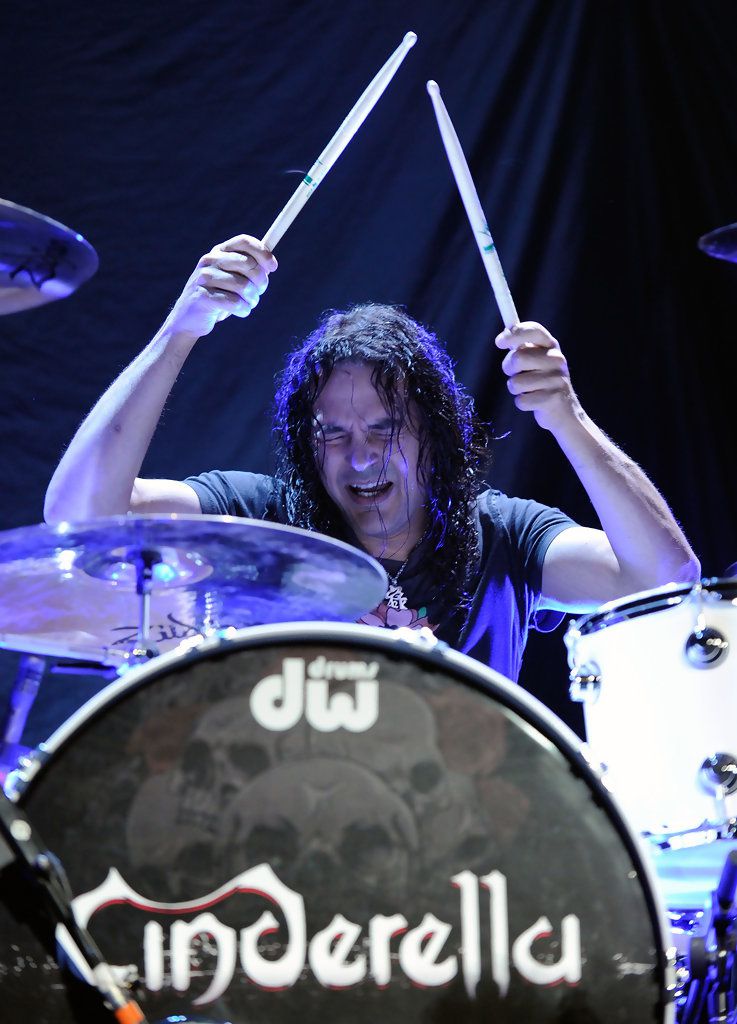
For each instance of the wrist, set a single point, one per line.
(584, 444)
(175, 339)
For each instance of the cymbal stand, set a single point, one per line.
(714, 971)
(145, 561)
(25, 688)
(20, 842)
(31, 667)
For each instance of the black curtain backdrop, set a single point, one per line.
(603, 141)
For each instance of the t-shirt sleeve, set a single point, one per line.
(531, 527)
(236, 493)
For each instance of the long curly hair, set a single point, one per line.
(410, 366)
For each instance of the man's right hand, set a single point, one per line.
(228, 280)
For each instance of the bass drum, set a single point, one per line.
(310, 822)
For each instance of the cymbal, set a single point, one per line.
(41, 260)
(722, 243)
(69, 591)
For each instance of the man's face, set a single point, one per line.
(368, 462)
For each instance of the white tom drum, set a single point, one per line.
(311, 822)
(658, 681)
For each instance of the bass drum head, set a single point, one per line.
(334, 823)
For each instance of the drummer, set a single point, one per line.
(379, 445)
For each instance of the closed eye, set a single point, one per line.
(385, 428)
(330, 433)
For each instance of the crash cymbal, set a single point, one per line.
(41, 260)
(69, 591)
(722, 243)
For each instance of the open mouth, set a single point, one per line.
(370, 492)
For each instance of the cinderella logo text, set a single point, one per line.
(429, 952)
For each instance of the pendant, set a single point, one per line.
(395, 597)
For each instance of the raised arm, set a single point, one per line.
(640, 545)
(98, 473)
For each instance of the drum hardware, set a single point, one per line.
(687, 921)
(179, 1018)
(76, 950)
(718, 774)
(585, 684)
(701, 835)
(705, 647)
(142, 567)
(69, 667)
(20, 844)
(712, 971)
(21, 698)
(24, 771)
(41, 260)
(145, 561)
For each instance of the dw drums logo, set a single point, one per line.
(279, 701)
(343, 954)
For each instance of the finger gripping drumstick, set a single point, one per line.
(339, 141)
(476, 217)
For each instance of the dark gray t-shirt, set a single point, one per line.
(514, 534)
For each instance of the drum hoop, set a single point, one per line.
(647, 601)
(483, 678)
(528, 710)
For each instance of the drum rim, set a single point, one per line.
(484, 678)
(527, 709)
(644, 602)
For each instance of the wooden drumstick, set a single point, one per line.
(337, 144)
(353, 121)
(475, 213)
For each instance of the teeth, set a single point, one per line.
(368, 491)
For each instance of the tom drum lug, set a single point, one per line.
(585, 684)
(718, 774)
(706, 647)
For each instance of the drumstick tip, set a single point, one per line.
(433, 88)
(410, 39)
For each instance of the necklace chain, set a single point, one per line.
(395, 597)
(395, 578)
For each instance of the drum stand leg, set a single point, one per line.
(31, 667)
(19, 842)
(21, 845)
(20, 702)
(714, 971)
